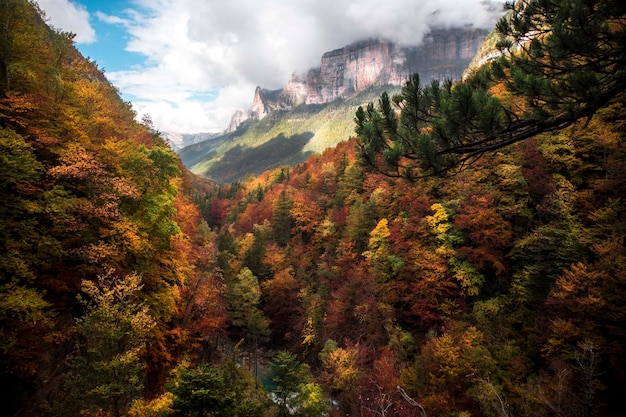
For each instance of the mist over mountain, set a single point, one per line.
(320, 103)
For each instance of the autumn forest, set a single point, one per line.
(383, 277)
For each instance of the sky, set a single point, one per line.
(190, 64)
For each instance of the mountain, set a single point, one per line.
(346, 71)
(315, 110)
(180, 140)
(129, 287)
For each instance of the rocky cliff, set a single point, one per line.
(445, 53)
(264, 102)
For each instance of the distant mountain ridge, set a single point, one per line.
(316, 110)
(181, 140)
(343, 72)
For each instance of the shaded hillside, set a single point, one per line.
(328, 124)
(276, 152)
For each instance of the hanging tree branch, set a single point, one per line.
(564, 58)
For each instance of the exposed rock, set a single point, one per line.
(237, 118)
(264, 102)
(353, 68)
(260, 109)
(445, 53)
(294, 93)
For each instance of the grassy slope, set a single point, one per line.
(260, 145)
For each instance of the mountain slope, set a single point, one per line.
(289, 135)
(99, 239)
(321, 104)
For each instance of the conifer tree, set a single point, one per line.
(564, 58)
(201, 392)
(282, 221)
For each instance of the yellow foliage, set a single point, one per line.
(440, 224)
(341, 367)
(157, 407)
(379, 235)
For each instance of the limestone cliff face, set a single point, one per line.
(353, 68)
(236, 119)
(445, 53)
(264, 102)
(294, 93)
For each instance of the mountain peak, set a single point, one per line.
(345, 71)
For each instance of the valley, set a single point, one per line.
(375, 247)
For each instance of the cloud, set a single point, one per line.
(112, 20)
(223, 49)
(194, 114)
(70, 17)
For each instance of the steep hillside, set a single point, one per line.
(284, 137)
(100, 243)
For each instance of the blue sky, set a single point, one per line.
(109, 47)
(190, 64)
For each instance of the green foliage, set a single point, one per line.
(282, 219)
(573, 65)
(293, 388)
(244, 298)
(565, 59)
(202, 391)
(106, 369)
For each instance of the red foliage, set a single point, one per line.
(489, 234)
(282, 306)
(536, 170)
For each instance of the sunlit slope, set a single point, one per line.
(281, 138)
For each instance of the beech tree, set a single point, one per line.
(564, 58)
(106, 370)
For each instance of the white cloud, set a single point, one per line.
(194, 115)
(112, 20)
(197, 47)
(70, 17)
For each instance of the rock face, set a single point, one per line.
(354, 68)
(445, 53)
(294, 93)
(260, 107)
(236, 119)
(264, 102)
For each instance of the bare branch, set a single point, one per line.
(411, 401)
